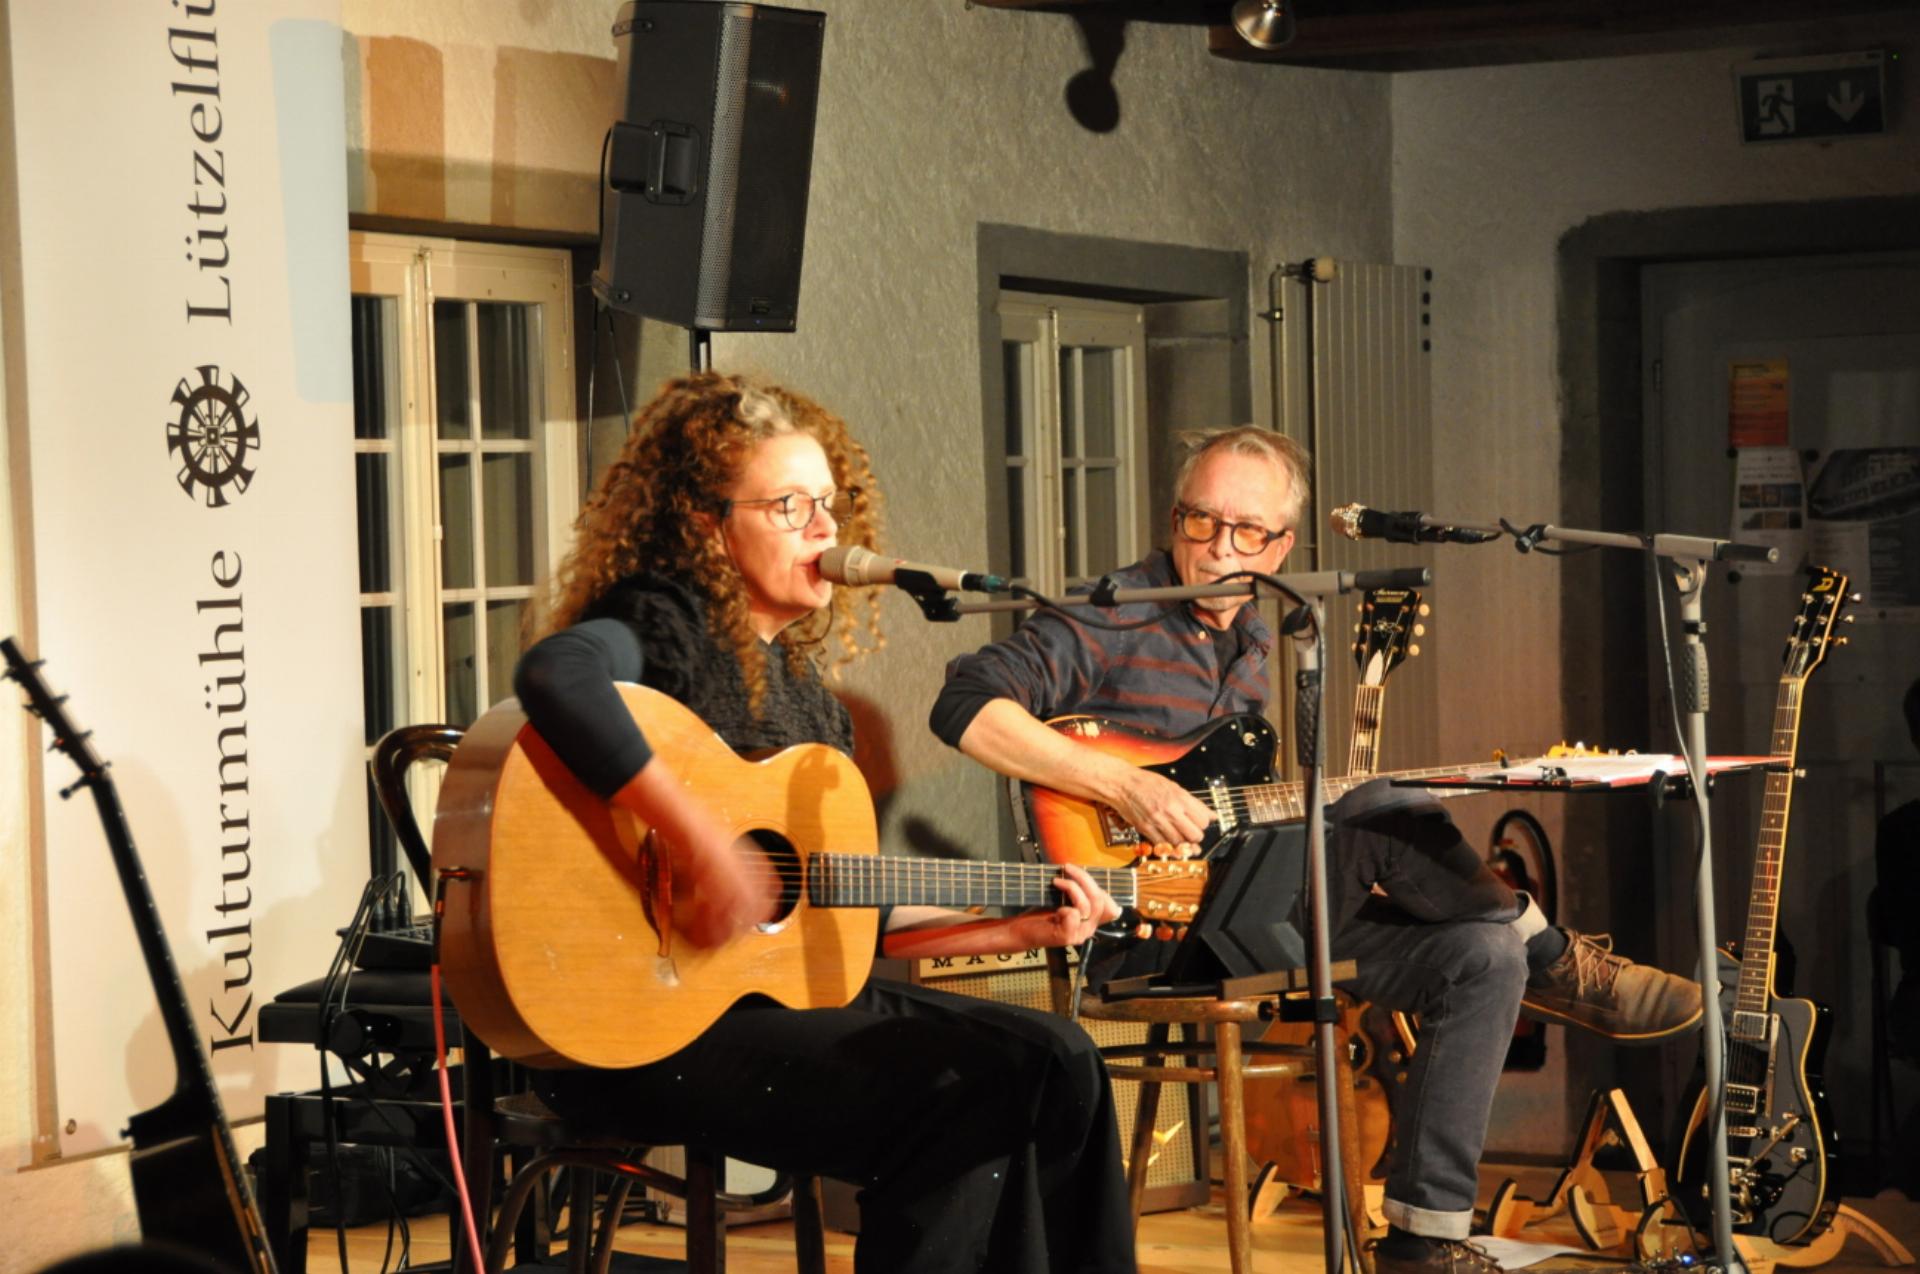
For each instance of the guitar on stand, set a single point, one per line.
(1283, 1116)
(189, 1185)
(1781, 1147)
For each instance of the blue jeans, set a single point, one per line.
(1441, 944)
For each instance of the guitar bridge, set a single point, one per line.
(1117, 830)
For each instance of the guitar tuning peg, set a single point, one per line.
(1847, 619)
(1413, 650)
(1425, 610)
(1842, 641)
(1419, 630)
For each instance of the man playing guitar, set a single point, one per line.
(1442, 936)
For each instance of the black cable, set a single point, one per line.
(1528, 541)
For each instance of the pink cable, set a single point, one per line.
(453, 1143)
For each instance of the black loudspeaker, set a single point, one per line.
(704, 198)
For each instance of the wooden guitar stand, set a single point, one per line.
(1581, 1192)
(1761, 1255)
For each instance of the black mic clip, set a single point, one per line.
(1525, 541)
(1103, 593)
(935, 602)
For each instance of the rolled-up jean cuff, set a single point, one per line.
(1427, 1223)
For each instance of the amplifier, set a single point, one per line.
(1177, 1175)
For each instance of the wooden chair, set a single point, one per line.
(537, 1142)
(1213, 1049)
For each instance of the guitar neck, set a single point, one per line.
(879, 880)
(1369, 705)
(1268, 803)
(1769, 859)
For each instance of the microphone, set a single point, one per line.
(850, 564)
(1358, 522)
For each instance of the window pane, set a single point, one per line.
(378, 680)
(1069, 402)
(1017, 521)
(450, 368)
(1103, 520)
(370, 471)
(456, 522)
(506, 390)
(506, 514)
(503, 647)
(1098, 367)
(1017, 358)
(461, 667)
(370, 371)
(1069, 523)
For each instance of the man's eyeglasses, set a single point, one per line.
(1202, 527)
(797, 509)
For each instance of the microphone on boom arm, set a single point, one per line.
(851, 564)
(1358, 522)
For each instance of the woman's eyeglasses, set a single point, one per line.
(1202, 527)
(796, 510)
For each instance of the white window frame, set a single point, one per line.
(1047, 326)
(411, 273)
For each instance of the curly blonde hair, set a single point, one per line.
(687, 446)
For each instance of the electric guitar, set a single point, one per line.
(1227, 763)
(1781, 1147)
(1389, 620)
(558, 936)
(189, 1186)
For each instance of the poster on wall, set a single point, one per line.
(1757, 398)
(1769, 507)
(190, 562)
(1863, 496)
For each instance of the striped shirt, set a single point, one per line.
(1168, 677)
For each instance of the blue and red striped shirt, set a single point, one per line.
(1169, 676)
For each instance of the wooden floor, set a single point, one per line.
(1187, 1242)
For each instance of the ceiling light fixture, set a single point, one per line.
(1265, 24)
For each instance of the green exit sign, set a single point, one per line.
(1813, 99)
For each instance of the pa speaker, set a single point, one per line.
(704, 198)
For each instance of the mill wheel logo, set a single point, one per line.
(213, 436)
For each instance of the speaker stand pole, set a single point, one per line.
(700, 349)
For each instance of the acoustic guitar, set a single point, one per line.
(189, 1186)
(558, 937)
(1781, 1146)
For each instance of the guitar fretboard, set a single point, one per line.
(880, 880)
(1369, 705)
(1763, 904)
(1258, 804)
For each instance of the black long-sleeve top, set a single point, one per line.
(653, 630)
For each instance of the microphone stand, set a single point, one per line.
(1686, 558)
(1306, 589)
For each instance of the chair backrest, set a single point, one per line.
(393, 756)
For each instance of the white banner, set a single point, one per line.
(183, 219)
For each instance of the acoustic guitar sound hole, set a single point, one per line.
(783, 860)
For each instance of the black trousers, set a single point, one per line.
(982, 1135)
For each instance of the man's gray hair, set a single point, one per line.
(1255, 443)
